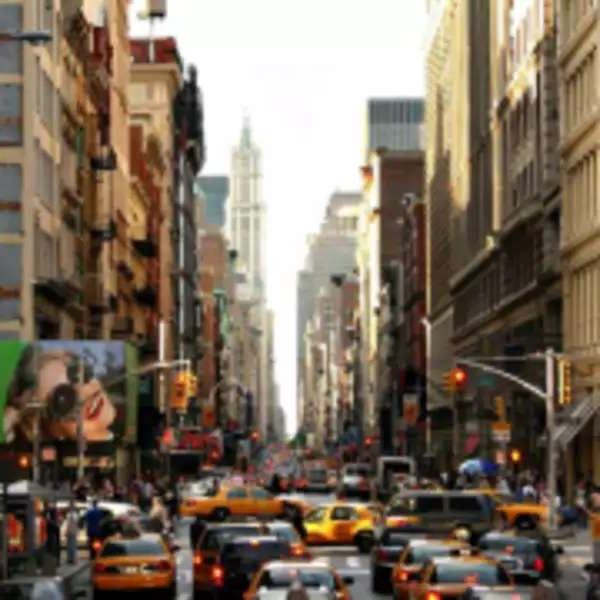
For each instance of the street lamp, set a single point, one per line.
(35, 38)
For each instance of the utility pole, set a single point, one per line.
(547, 395)
(550, 426)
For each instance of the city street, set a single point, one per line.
(347, 561)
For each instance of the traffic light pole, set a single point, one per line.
(547, 395)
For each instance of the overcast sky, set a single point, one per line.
(302, 70)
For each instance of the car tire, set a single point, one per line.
(220, 514)
(364, 541)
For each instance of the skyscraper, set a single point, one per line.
(246, 216)
(395, 124)
(215, 189)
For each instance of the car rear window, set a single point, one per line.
(510, 545)
(393, 538)
(213, 539)
(281, 578)
(357, 470)
(468, 572)
(133, 548)
(420, 554)
(254, 551)
(284, 532)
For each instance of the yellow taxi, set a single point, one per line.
(134, 564)
(451, 577)
(415, 554)
(277, 575)
(342, 523)
(522, 515)
(238, 500)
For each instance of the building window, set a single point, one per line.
(10, 259)
(10, 198)
(11, 114)
(11, 53)
(45, 255)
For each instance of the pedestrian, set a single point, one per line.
(197, 528)
(298, 523)
(581, 504)
(72, 530)
(158, 515)
(93, 521)
(53, 535)
(146, 495)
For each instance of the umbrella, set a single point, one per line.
(478, 466)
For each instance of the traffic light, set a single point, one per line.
(179, 392)
(459, 379)
(564, 382)
(455, 380)
(369, 441)
(192, 384)
(254, 436)
(515, 456)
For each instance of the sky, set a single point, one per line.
(302, 71)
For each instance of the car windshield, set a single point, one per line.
(213, 539)
(470, 572)
(285, 532)
(510, 545)
(133, 548)
(310, 578)
(420, 554)
(402, 506)
(205, 488)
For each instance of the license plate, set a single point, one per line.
(130, 570)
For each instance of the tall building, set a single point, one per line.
(394, 123)
(331, 251)
(446, 182)
(155, 81)
(246, 212)
(579, 31)
(215, 190)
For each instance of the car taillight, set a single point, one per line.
(217, 574)
(433, 596)
(100, 568)
(538, 564)
(96, 545)
(401, 576)
(163, 565)
(297, 550)
(197, 560)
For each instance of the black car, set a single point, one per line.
(388, 546)
(241, 557)
(527, 555)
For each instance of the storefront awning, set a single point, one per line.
(577, 419)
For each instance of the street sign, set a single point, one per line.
(501, 432)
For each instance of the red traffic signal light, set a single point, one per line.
(459, 378)
(369, 441)
(254, 436)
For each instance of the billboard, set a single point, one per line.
(95, 379)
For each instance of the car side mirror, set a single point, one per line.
(348, 580)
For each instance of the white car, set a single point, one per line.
(114, 509)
